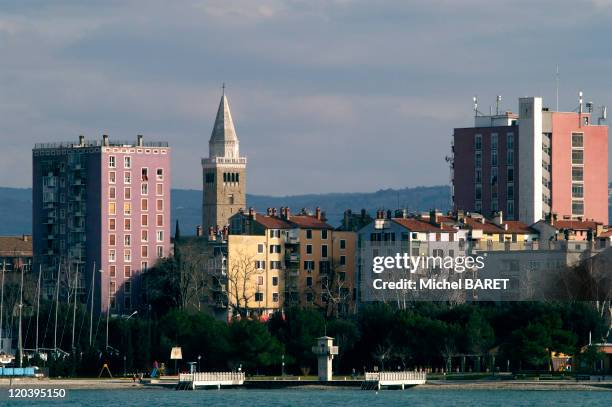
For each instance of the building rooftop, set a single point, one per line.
(16, 245)
(104, 142)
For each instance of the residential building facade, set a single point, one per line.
(101, 210)
(532, 164)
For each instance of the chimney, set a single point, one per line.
(287, 213)
(25, 238)
(505, 226)
(198, 230)
(105, 140)
(282, 212)
(81, 141)
(211, 233)
(318, 213)
(225, 232)
(274, 212)
(482, 220)
(251, 213)
(139, 140)
(269, 211)
(389, 214)
(498, 219)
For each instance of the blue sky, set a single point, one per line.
(327, 96)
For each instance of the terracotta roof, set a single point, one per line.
(515, 226)
(486, 227)
(11, 245)
(575, 224)
(417, 225)
(272, 222)
(607, 233)
(309, 222)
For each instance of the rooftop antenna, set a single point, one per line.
(557, 86)
(475, 99)
(580, 109)
(223, 89)
(604, 115)
(497, 103)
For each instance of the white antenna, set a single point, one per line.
(557, 87)
(580, 102)
(497, 103)
(475, 99)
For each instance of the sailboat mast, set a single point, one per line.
(2, 301)
(76, 283)
(38, 303)
(59, 268)
(93, 290)
(20, 313)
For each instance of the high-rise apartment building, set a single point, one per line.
(534, 163)
(100, 207)
(224, 172)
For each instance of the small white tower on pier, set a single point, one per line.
(325, 351)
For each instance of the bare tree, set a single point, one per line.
(240, 278)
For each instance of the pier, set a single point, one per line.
(191, 381)
(377, 380)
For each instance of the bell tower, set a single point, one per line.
(223, 172)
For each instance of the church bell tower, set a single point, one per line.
(223, 172)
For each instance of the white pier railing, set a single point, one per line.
(212, 379)
(402, 378)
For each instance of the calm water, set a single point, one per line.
(389, 398)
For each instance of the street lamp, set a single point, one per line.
(199, 358)
(131, 315)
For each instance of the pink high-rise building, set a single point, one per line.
(533, 164)
(100, 207)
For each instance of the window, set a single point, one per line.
(342, 244)
(127, 224)
(160, 220)
(160, 236)
(127, 271)
(113, 287)
(127, 193)
(127, 255)
(112, 193)
(111, 255)
(127, 162)
(127, 240)
(144, 204)
(274, 233)
(308, 249)
(260, 264)
(478, 159)
(274, 281)
(144, 235)
(144, 174)
(144, 189)
(127, 177)
(260, 280)
(478, 176)
(342, 260)
(324, 250)
(144, 251)
(258, 297)
(577, 191)
(160, 251)
(478, 142)
(275, 248)
(127, 208)
(274, 297)
(112, 208)
(308, 233)
(144, 220)
(577, 207)
(144, 266)
(127, 287)
(510, 158)
(112, 270)
(510, 175)
(260, 248)
(577, 140)
(160, 205)
(578, 157)
(494, 141)
(159, 189)
(112, 224)
(577, 174)
(112, 162)
(324, 234)
(160, 174)
(309, 265)
(510, 141)
(111, 239)
(308, 281)
(309, 297)
(275, 265)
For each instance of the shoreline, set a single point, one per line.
(442, 385)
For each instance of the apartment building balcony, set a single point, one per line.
(292, 258)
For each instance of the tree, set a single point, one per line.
(241, 282)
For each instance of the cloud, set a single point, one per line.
(326, 95)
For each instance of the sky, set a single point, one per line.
(326, 96)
